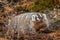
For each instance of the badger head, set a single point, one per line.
(38, 21)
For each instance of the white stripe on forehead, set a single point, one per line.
(35, 17)
(40, 14)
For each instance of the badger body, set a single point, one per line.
(27, 23)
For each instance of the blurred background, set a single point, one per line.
(11, 8)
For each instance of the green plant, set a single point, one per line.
(40, 5)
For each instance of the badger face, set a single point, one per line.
(38, 21)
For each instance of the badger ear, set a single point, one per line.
(44, 15)
(33, 18)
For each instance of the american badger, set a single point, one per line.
(27, 23)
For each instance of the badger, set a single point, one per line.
(27, 23)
